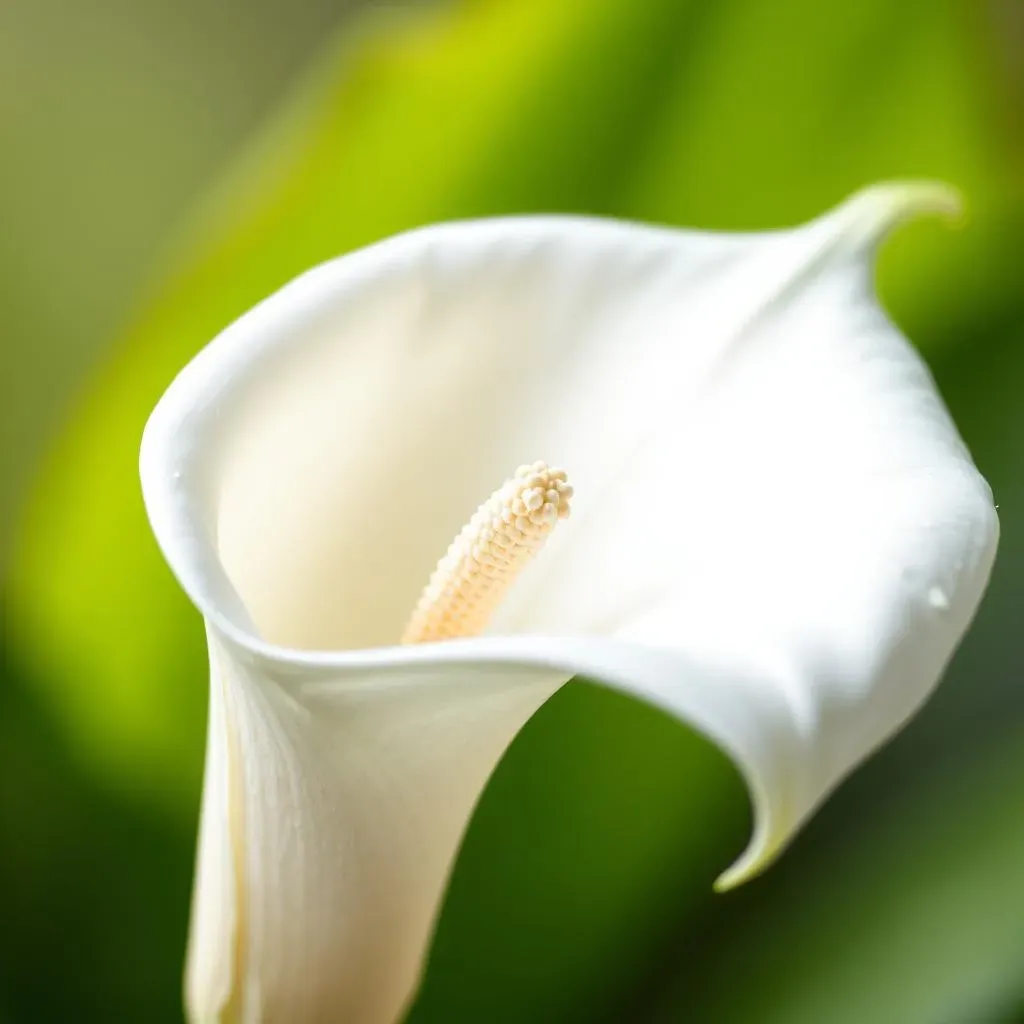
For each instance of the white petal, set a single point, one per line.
(777, 536)
(351, 793)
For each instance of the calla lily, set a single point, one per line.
(777, 536)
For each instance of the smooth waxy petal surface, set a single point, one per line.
(777, 536)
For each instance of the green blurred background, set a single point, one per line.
(166, 163)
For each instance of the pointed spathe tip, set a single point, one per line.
(875, 211)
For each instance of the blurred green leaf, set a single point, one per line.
(95, 891)
(112, 115)
(728, 114)
(922, 922)
(785, 107)
(604, 813)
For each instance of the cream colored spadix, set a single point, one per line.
(777, 537)
(506, 531)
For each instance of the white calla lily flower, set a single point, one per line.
(777, 536)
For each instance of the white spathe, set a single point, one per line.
(777, 536)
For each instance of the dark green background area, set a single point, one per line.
(165, 165)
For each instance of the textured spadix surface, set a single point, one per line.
(777, 536)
